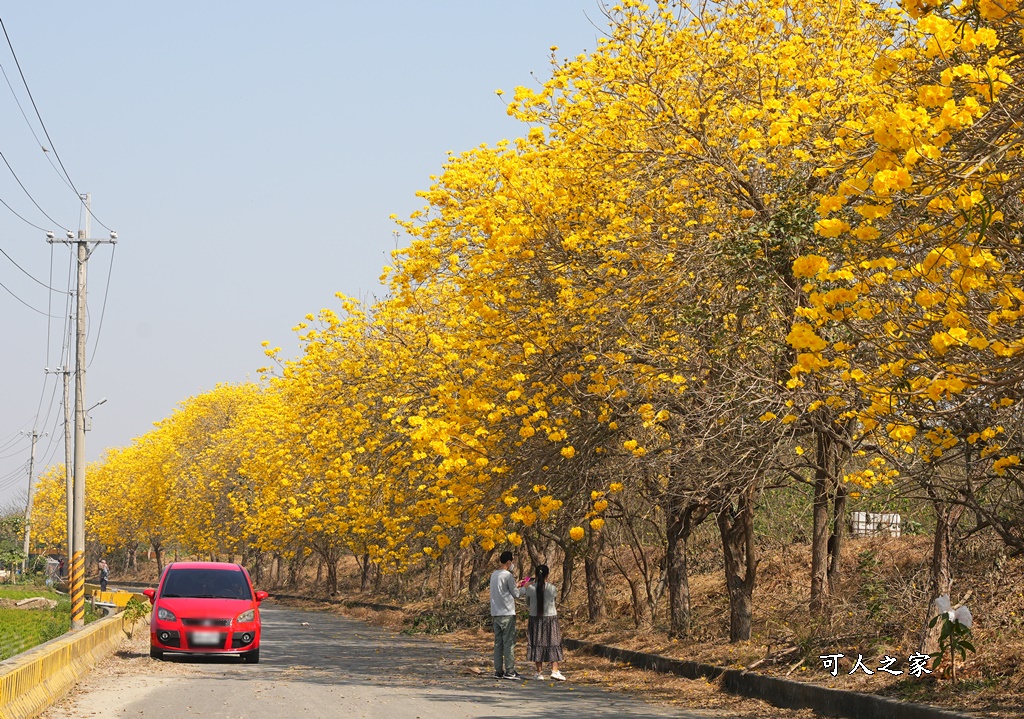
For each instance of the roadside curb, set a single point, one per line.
(32, 681)
(783, 693)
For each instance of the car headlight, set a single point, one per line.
(246, 616)
(165, 615)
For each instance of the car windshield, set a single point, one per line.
(206, 583)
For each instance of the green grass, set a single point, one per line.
(22, 629)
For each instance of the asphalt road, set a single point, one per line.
(336, 667)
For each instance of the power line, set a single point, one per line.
(6, 289)
(15, 477)
(12, 454)
(12, 473)
(27, 273)
(21, 217)
(53, 396)
(46, 377)
(46, 151)
(40, 118)
(13, 437)
(103, 309)
(49, 308)
(29, 194)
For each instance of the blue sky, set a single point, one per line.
(248, 157)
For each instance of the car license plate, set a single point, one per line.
(206, 638)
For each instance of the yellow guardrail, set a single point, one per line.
(32, 681)
(118, 598)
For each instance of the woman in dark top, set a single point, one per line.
(543, 632)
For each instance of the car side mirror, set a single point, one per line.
(260, 596)
(150, 594)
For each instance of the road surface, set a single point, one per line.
(337, 667)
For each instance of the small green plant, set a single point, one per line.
(955, 637)
(134, 610)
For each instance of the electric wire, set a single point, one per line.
(29, 194)
(56, 441)
(53, 395)
(6, 289)
(42, 124)
(22, 218)
(103, 309)
(11, 481)
(46, 151)
(46, 377)
(14, 478)
(27, 273)
(9, 473)
(64, 351)
(56, 438)
(13, 454)
(12, 473)
(49, 307)
(13, 437)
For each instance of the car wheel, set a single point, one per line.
(156, 653)
(252, 657)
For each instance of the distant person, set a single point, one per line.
(104, 575)
(60, 568)
(542, 631)
(504, 593)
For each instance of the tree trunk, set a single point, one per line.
(947, 516)
(158, 551)
(819, 533)
(332, 576)
(946, 519)
(596, 605)
(536, 553)
(836, 541)
(568, 564)
(736, 527)
(476, 568)
(364, 575)
(680, 520)
(257, 568)
(295, 566)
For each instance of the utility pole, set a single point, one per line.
(76, 588)
(69, 485)
(28, 507)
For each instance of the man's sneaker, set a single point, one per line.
(512, 675)
(539, 676)
(558, 676)
(499, 675)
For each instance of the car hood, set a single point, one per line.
(203, 608)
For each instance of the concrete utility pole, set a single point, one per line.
(28, 507)
(76, 587)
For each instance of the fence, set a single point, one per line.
(873, 524)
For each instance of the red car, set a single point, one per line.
(205, 608)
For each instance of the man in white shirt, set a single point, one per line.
(504, 593)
